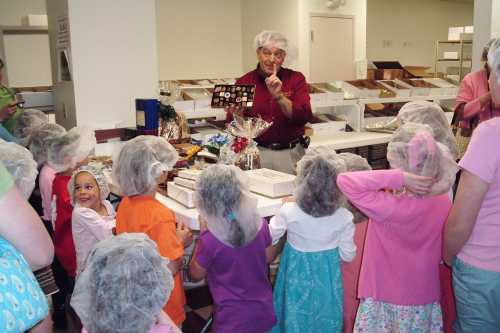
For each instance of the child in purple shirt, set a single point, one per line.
(233, 252)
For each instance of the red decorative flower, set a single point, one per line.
(239, 144)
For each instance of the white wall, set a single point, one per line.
(412, 27)
(114, 59)
(356, 8)
(199, 39)
(278, 15)
(27, 56)
(495, 19)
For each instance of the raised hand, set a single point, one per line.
(273, 83)
(419, 185)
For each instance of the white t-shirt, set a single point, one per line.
(312, 234)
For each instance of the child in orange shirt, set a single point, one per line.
(142, 163)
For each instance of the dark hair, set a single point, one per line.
(1, 63)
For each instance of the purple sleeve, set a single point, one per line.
(481, 158)
(205, 250)
(365, 189)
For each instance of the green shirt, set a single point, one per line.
(8, 96)
(6, 181)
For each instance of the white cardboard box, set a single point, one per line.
(191, 174)
(271, 183)
(181, 194)
(35, 20)
(446, 87)
(187, 183)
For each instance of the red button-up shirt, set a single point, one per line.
(284, 130)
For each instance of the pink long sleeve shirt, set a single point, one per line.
(473, 86)
(404, 238)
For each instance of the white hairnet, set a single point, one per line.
(271, 39)
(66, 151)
(141, 162)
(431, 114)
(28, 121)
(414, 150)
(124, 285)
(98, 176)
(494, 58)
(21, 165)
(354, 162)
(317, 193)
(223, 200)
(41, 139)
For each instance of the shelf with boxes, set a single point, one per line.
(452, 52)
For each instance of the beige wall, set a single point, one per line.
(27, 56)
(114, 59)
(199, 38)
(412, 27)
(259, 15)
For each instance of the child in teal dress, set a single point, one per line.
(308, 295)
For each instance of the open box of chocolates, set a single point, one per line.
(237, 95)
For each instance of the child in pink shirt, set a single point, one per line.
(399, 284)
(93, 217)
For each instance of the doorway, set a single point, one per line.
(332, 48)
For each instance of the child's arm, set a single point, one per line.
(271, 253)
(347, 247)
(196, 272)
(278, 225)
(365, 189)
(93, 222)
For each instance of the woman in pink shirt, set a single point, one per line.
(473, 102)
(407, 206)
(472, 233)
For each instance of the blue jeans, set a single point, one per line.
(477, 293)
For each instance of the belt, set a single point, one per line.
(304, 141)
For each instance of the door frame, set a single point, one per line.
(354, 35)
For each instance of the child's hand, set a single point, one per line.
(184, 235)
(175, 265)
(203, 223)
(419, 185)
(290, 198)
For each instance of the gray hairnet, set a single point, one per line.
(271, 39)
(431, 114)
(223, 200)
(414, 150)
(354, 162)
(494, 58)
(317, 193)
(124, 285)
(66, 151)
(21, 165)
(98, 176)
(41, 138)
(141, 162)
(28, 121)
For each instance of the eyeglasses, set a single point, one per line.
(279, 54)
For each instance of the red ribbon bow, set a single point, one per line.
(239, 144)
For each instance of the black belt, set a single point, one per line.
(304, 141)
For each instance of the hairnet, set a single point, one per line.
(41, 139)
(431, 114)
(21, 165)
(494, 58)
(354, 162)
(414, 150)
(124, 285)
(141, 162)
(98, 176)
(271, 39)
(224, 202)
(28, 121)
(66, 151)
(317, 193)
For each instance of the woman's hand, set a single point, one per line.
(203, 223)
(419, 185)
